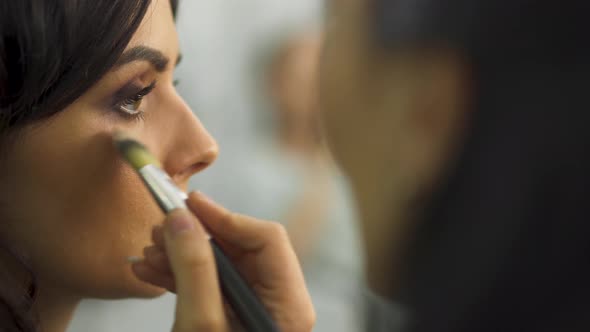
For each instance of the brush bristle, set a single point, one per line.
(134, 152)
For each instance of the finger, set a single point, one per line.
(199, 304)
(158, 236)
(157, 259)
(146, 273)
(244, 232)
(275, 262)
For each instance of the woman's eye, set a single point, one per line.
(130, 105)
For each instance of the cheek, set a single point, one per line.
(79, 210)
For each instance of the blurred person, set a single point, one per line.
(223, 84)
(462, 126)
(320, 216)
(292, 82)
(292, 86)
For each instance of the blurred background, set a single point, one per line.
(249, 73)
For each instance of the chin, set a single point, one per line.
(123, 287)
(135, 288)
(139, 290)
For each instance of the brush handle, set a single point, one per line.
(247, 307)
(249, 310)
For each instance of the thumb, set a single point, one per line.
(199, 306)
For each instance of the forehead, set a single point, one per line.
(157, 29)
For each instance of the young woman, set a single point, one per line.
(72, 72)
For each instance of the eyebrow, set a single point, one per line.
(144, 53)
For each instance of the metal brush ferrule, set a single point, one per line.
(168, 196)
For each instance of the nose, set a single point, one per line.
(190, 148)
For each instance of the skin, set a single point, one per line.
(261, 250)
(77, 210)
(393, 119)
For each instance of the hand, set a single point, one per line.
(181, 260)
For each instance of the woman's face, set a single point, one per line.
(69, 202)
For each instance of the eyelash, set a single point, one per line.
(133, 98)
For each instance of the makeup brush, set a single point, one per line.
(247, 307)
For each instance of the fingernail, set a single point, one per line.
(180, 221)
(204, 197)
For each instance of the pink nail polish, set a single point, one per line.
(180, 222)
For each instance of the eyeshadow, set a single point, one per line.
(128, 90)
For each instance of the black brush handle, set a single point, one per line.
(247, 307)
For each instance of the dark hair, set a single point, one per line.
(51, 53)
(505, 242)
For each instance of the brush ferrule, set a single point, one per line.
(166, 193)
